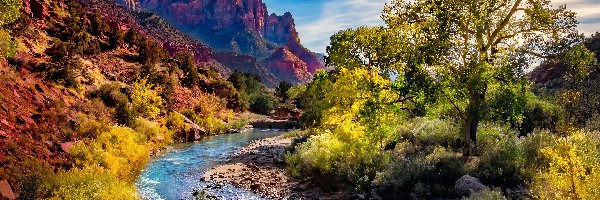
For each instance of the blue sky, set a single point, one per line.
(317, 20)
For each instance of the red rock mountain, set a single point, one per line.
(242, 27)
(284, 61)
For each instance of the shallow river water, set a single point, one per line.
(175, 173)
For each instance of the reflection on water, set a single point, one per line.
(176, 173)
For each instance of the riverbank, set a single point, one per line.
(260, 168)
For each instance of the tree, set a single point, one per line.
(469, 48)
(282, 91)
(186, 63)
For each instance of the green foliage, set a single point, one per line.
(282, 91)
(116, 38)
(263, 104)
(110, 94)
(428, 176)
(125, 113)
(150, 52)
(211, 123)
(158, 136)
(186, 63)
(66, 65)
(250, 92)
(540, 114)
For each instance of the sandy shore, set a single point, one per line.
(260, 167)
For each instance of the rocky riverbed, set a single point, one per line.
(260, 168)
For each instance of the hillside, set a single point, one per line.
(89, 90)
(243, 27)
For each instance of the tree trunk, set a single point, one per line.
(471, 122)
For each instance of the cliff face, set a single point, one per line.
(226, 16)
(283, 61)
(243, 27)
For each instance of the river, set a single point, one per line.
(175, 173)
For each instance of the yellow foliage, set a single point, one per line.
(360, 100)
(90, 183)
(574, 170)
(145, 99)
(121, 151)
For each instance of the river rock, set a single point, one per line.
(196, 132)
(467, 185)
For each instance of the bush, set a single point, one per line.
(90, 183)
(264, 104)
(432, 132)
(110, 94)
(7, 45)
(573, 170)
(540, 114)
(121, 151)
(212, 124)
(157, 136)
(421, 177)
(145, 98)
(89, 128)
(488, 194)
(333, 161)
(125, 114)
(176, 123)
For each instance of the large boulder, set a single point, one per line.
(196, 132)
(468, 185)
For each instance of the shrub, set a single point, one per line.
(125, 113)
(573, 172)
(89, 128)
(540, 114)
(90, 183)
(150, 52)
(145, 98)
(264, 104)
(212, 124)
(110, 94)
(333, 161)
(7, 45)
(157, 136)
(421, 177)
(433, 132)
(121, 151)
(487, 194)
(177, 125)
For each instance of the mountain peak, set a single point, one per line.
(240, 26)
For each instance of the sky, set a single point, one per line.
(317, 20)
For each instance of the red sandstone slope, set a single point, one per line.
(283, 61)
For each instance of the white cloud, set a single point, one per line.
(339, 15)
(588, 14)
(336, 15)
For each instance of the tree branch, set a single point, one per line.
(503, 24)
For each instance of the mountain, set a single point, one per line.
(241, 27)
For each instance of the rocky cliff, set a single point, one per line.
(243, 27)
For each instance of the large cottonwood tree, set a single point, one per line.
(468, 48)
